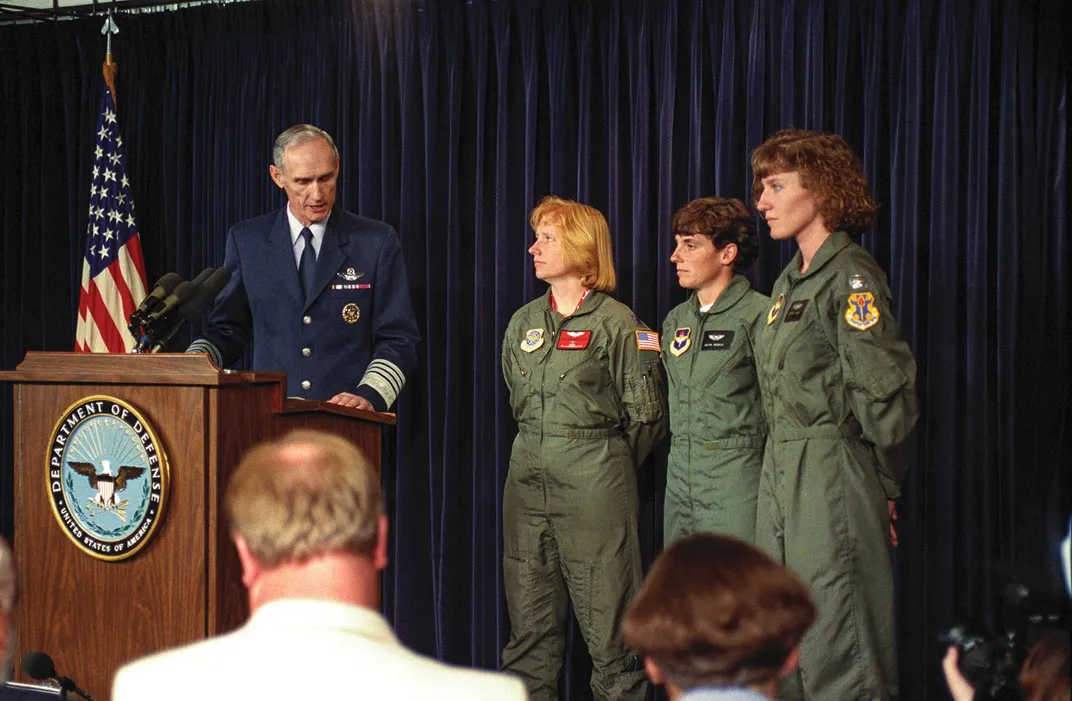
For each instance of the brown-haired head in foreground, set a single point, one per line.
(724, 221)
(8, 579)
(828, 168)
(8, 600)
(586, 243)
(1045, 674)
(306, 494)
(715, 611)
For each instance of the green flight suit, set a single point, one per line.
(589, 409)
(716, 414)
(839, 397)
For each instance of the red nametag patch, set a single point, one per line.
(573, 340)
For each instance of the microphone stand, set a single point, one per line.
(67, 686)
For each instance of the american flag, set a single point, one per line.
(113, 270)
(647, 340)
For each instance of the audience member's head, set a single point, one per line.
(306, 516)
(8, 592)
(1045, 674)
(716, 612)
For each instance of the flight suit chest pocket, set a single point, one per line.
(523, 365)
(581, 369)
(717, 349)
(800, 339)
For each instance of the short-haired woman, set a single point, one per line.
(585, 389)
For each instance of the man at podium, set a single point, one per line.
(321, 292)
(306, 516)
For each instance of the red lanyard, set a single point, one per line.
(554, 304)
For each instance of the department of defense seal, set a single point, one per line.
(107, 477)
(351, 313)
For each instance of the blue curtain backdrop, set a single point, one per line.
(454, 118)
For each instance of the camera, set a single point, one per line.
(992, 664)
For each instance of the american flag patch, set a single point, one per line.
(647, 340)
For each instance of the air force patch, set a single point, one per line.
(773, 313)
(532, 341)
(681, 343)
(862, 312)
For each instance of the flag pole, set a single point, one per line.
(109, 67)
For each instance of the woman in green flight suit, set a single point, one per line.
(585, 390)
(838, 386)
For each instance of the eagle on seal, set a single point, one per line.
(107, 485)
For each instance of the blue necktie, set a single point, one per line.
(307, 265)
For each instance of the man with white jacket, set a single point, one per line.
(307, 520)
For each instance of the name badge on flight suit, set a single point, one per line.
(796, 310)
(716, 340)
(573, 340)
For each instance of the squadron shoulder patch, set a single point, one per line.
(862, 312)
(682, 342)
(107, 477)
(533, 340)
(773, 313)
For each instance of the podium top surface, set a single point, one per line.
(189, 369)
(131, 368)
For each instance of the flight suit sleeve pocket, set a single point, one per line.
(874, 371)
(644, 390)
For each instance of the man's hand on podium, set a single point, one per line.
(351, 400)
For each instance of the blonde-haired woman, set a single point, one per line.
(585, 390)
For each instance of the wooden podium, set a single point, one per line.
(90, 614)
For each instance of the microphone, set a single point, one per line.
(163, 288)
(182, 292)
(196, 305)
(149, 326)
(39, 666)
(202, 276)
(206, 293)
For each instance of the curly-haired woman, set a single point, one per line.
(838, 386)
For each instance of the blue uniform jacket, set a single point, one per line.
(358, 328)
